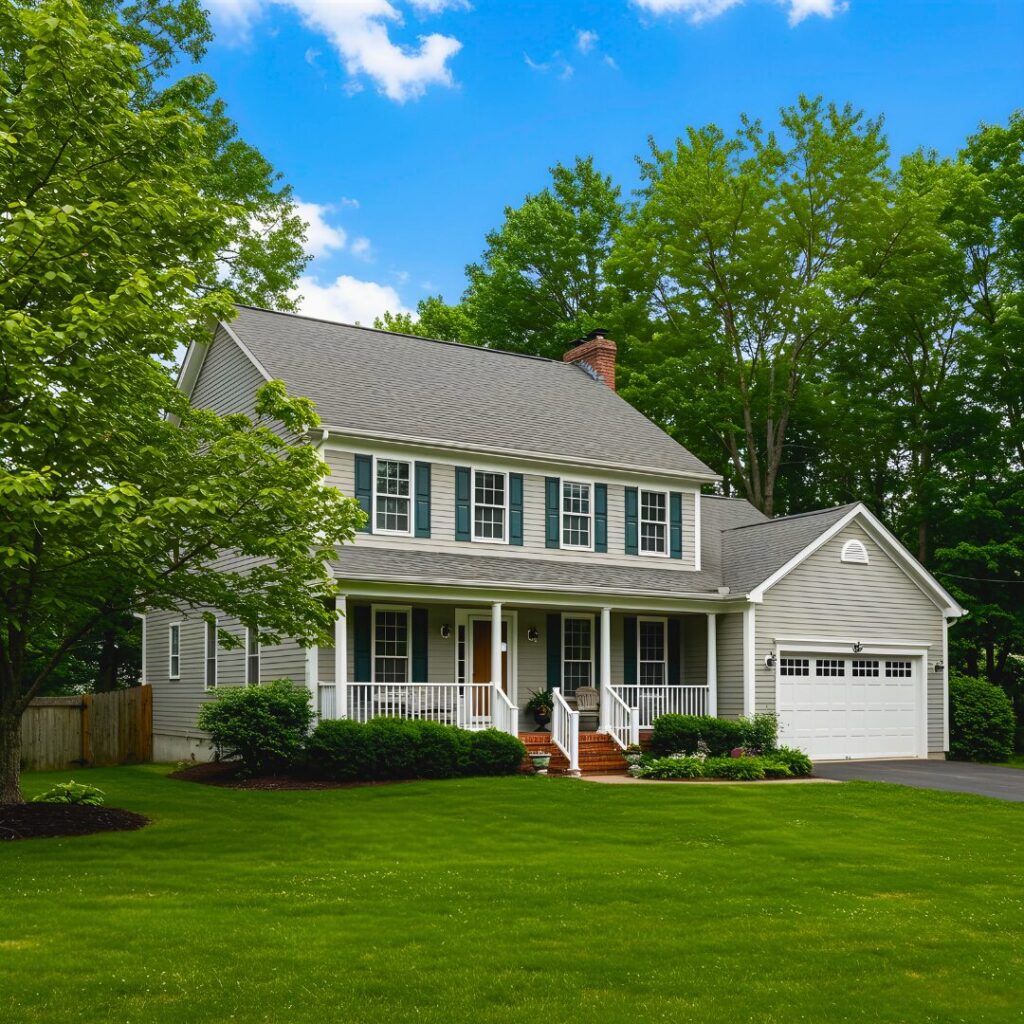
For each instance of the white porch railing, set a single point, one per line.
(652, 701)
(623, 721)
(466, 705)
(565, 730)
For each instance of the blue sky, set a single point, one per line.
(405, 127)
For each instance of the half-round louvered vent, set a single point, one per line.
(854, 551)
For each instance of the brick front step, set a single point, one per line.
(599, 753)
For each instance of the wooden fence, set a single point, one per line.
(95, 729)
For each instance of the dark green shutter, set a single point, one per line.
(364, 488)
(515, 508)
(422, 499)
(674, 653)
(629, 651)
(462, 485)
(601, 517)
(361, 643)
(554, 629)
(632, 520)
(552, 487)
(419, 645)
(676, 520)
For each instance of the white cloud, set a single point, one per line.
(565, 69)
(321, 237)
(348, 299)
(360, 247)
(697, 11)
(359, 31)
(439, 6)
(800, 9)
(586, 40)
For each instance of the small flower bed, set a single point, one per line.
(783, 763)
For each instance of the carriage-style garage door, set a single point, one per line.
(834, 707)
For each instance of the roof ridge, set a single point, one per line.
(795, 515)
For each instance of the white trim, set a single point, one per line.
(472, 507)
(664, 644)
(466, 617)
(496, 651)
(173, 629)
(375, 495)
(884, 539)
(749, 675)
(593, 654)
(144, 652)
(696, 532)
(254, 632)
(945, 685)
(711, 663)
(605, 667)
(589, 484)
(206, 655)
(830, 642)
(406, 609)
(640, 491)
(246, 351)
(341, 657)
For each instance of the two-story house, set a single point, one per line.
(529, 529)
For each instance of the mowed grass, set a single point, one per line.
(522, 899)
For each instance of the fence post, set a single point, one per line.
(87, 729)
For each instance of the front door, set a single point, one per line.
(482, 652)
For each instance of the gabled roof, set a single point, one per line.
(375, 383)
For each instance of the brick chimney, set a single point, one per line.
(595, 353)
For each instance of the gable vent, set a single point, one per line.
(854, 551)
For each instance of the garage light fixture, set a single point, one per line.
(769, 661)
(858, 647)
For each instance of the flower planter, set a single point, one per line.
(540, 763)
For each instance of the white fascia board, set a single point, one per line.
(261, 369)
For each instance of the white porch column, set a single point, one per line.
(496, 643)
(606, 670)
(712, 664)
(749, 674)
(341, 658)
(312, 672)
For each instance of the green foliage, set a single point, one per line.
(71, 793)
(981, 722)
(796, 761)
(673, 734)
(541, 700)
(739, 769)
(433, 319)
(759, 732)
(263, 726)
(494, 753)
(671, 768)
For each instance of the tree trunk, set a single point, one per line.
(106, 676)
(10, 758)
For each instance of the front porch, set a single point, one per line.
(476, 666)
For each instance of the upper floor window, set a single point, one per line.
(490, 506)
(392, 497)
(577, 515)
(174, 650)
(391, 645)
(653, 523)
(252, 656)
(210, 680)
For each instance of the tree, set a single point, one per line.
(434, 318)
(116, 494)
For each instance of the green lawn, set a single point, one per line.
(523, 899)
(1016, 761)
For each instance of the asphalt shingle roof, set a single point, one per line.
(368, 380)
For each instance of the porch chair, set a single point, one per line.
(588, 702)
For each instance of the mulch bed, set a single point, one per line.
(226, 774)
(39, 821)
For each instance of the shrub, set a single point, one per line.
(981, 722)
(394, 748)
(71, 793)
(494, 753)
(682, 733)
(263, 726)
(339, 750)
(775, 769)
(672, 768)
(740, 769)
(443, 752)
(760, 733)
(796, 760)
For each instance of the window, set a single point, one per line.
(651, 648)
(210, 680)
(653, 523)
(490, 506)
(252, 656)
(174, 650)
(390, 645)
(392, 500)
(577, 653)
(864, 669)
(897, 669)
(794, 667)
(854, 551)
(577, 515)
(830, 667)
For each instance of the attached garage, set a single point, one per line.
(833, 705)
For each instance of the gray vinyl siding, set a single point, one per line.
(824, 597)
(442, 539)
(730, 665)
(228, 381)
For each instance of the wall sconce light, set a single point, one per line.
(939, 666)
(446, 631)
(769, 661)
(858, 647)
(533, 634)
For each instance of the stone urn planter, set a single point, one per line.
(541, 760)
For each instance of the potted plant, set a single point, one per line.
(541, 759)
(540, 706)
(633, 753)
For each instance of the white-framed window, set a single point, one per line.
(577, 652)
(210, 655)
(864, 668)
(651, 651)
(577, 515)
(898, 669)
(654, 523)
(794, 666)
(490, 506)
(392, 496)
(855, 552)
(830, 667)
(392, 644)
(174, 650)
(252, 656)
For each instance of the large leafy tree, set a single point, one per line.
(116, 495)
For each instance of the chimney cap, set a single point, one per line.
(597, 332)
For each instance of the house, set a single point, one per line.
(529, 529)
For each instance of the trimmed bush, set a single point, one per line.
(740, 769)
(394, 747)
(796, 761)
(675, 734)
(672, 768)
(492, 752)
(263, 726)
(71, 793)
(760, 732)
(339, 750)
(981, 722)
(775, 769)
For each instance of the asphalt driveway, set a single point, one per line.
(953, 776)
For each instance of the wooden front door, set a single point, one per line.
(482, 652)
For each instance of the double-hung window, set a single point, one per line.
(174, 650)
(391, 645)
(652, 662)
(577, 515)
(490, 506)
(653, 522)
(392, 497)
(210, 678)
(577, 652)
(252, 656)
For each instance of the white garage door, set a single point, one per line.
(834, 707)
